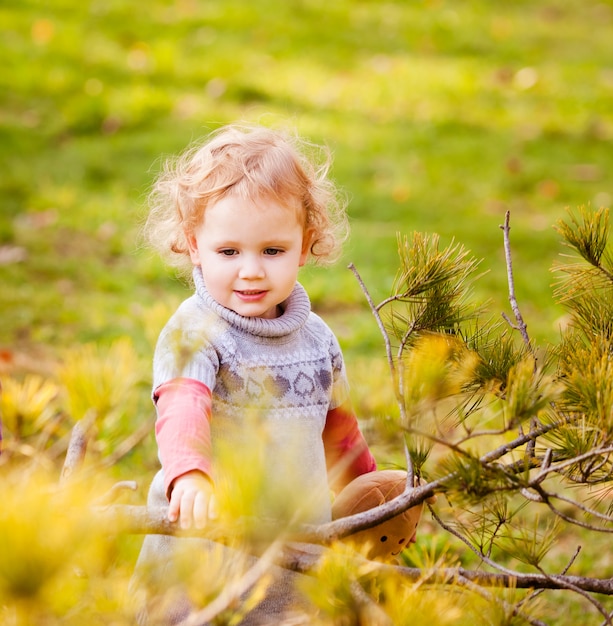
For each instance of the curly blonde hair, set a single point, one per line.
(251, 162)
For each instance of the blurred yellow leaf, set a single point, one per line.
(26, 405)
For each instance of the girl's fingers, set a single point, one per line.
(201, 509)
(192, 504)
(212, 507)
(187, 509)
(173, 507)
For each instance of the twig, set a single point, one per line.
(303, 561)
(114, 491)
(370, 611)
(566, 584)
(546, 498)
(77, 446)
(557, 467)
(375, 312)
(540, 581)
(515, 609)
(397, 377)
(520, 325)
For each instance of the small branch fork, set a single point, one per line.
(397, 378)
(520, 324)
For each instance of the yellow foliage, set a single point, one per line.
(208, 572)
(255, 488)
(349, 591)
(155, 317)
(55, 559)
(100, 380)
(26, 406)
(528, 393)
(40, 528)
(436, 368)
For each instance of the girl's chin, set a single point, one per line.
(253, 310)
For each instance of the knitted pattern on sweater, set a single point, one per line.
(273, 382)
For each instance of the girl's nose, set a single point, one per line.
(251, 268)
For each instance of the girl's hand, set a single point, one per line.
(192, 500)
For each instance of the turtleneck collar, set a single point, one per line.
(296, 311)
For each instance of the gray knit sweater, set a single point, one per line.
(273, 382)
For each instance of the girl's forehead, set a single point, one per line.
(258, 203)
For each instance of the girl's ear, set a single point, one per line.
(303, 258)
(307, 242)
(192, 244)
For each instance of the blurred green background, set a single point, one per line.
(442, 115)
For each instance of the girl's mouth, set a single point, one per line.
(250, 294)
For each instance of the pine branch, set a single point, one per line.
(134, 519)
(303, 561)
(588, 237)
(303, 558)
(521, 580)
(546, 497)
(566, 584)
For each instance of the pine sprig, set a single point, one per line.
(579, 287)
(587, 233)
(430, 292)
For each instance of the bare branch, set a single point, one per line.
(546, 498)
(397, 379)
(147, 520)
(520, 324)
(521, 580)
(143, 520)
(567, 584)
(303, 561)
(375, 312)
(77, 446)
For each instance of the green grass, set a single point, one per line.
(442, 116)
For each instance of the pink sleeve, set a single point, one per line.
(182, 428)
(347, 453)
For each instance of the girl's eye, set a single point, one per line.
(228, 252)
(272, 251)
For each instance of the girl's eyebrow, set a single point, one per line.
(270, 243)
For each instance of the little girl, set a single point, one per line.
(245, 210)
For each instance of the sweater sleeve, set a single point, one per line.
(182, 428)
(347, 453)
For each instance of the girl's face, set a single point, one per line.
(250, 253)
